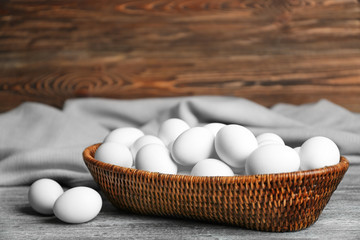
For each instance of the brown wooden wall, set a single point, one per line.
(268, 51)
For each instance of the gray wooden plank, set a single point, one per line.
(339, 220)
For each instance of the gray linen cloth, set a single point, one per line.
(38, 141)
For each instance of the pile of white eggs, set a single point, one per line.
(76, 205)
(214, 149)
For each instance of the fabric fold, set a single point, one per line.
(38, 141)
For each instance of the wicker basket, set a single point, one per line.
(271, 202)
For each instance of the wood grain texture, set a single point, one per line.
(267, 51)
(339, 220)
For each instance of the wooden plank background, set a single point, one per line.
(267, 51)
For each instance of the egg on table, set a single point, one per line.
(42, 195)
(78, 205)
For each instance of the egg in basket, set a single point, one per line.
(253, 183)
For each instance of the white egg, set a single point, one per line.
(43, 194)
(318, 152)
(171, 129)
(114, 153)
(214, 127)
(273, 158)
(78, 205)
(193, 145)
(125, 136)
(170, 146)
(234, 143)
(211, 167)
(269, 138)
(142, 141)
(297, 149)
(155, 158)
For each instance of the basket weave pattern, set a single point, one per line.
(270, 202)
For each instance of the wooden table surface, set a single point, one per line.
(339, 220)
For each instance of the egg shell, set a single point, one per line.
(269, 138)
(234, 143)
(211, 167)
(318, 152)
(155, 158)
(273, 158)
(193, 145)
(124, 136)
(42, 195)
(269, 142)
(170, 146)
(214, 127)
(114, 153)
(142, 141)
(78, 205)
(297, 149)
(170, 129)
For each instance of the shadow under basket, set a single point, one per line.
(269, 202)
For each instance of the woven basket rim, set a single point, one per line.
(89, 158)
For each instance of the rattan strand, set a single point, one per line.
(271, 202)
